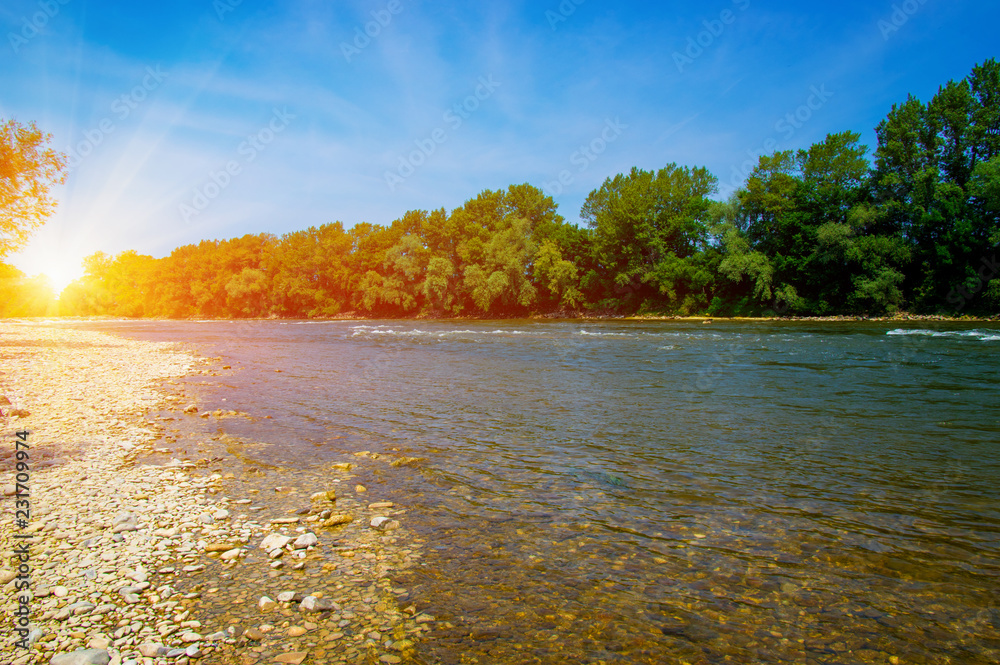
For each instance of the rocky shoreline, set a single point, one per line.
(840, 318)
(138, 556)
(901, 317)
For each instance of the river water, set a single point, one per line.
(655, 492)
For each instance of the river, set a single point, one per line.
(655, 492)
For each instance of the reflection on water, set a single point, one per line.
(658, 492)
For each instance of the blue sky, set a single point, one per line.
(212, 119)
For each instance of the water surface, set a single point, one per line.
(654, 492)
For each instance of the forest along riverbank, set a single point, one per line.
(140, 552)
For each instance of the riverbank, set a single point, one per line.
(917, 318)
(581, 316)
(139, 553)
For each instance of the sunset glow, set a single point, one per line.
(60, 267)
(62, 274)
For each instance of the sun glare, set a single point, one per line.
(53, 254)
(61, 272)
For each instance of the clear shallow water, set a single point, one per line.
(657, 491)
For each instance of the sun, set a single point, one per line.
(61, 273)
(54, 254)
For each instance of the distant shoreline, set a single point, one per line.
(566, 316)
(830, 319)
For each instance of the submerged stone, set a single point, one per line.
(82, 657)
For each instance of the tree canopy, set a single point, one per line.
(834, 228)
(28, 170)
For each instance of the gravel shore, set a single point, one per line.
(137, 556)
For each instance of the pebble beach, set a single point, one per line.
(150, 540)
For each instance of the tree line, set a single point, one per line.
(826, 230)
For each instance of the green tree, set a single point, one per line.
(248, 293)
(741, 264)
(649, 229)
(804, 235)
(496, 274)
(28, 170)
(985, 190)
(499, 235)
(932, 182)
(112, 286)
(558, 276)
(372, 292)
(193, 280)
(23, 296)
(310, 272)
